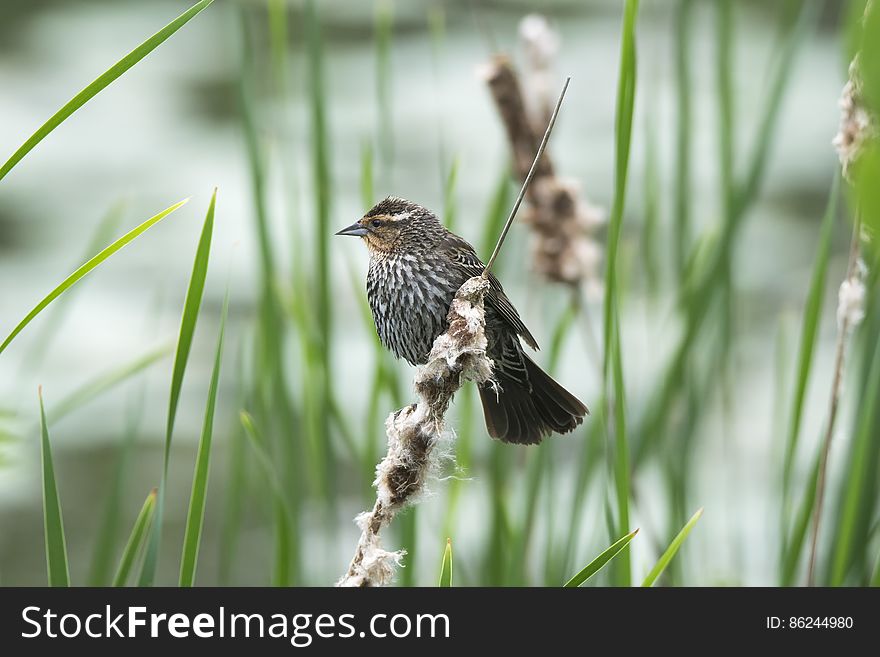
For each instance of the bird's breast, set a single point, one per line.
(409, 297)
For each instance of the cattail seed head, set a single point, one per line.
(858, 125)
(851, 299)
(458, 354)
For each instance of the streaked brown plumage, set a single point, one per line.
(416, 267)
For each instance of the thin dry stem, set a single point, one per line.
(845, 324)
(528, 179)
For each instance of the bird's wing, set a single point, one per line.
(464, 256)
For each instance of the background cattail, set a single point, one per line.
(857, 124)
(563, 221)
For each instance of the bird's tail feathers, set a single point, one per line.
(522, 414)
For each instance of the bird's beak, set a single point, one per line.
(356, 230)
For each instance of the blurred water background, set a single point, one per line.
(172, 128)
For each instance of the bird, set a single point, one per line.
(416, 267)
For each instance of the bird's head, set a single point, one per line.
(394, 224)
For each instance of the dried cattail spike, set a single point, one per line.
(857, 124)
(413, 432)
(540, 44)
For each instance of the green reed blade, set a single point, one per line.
(196, 514)
(683, 133)
(613, 362)
(809, 334)
(88, 266)
(859, 485)
(450, 203)
(101, 82)
(796, 539)
(137, 540)
(596, 564)
(100, 572)
(446, 566)
(191, 306)
(102, 234)
(189, 317)
(53, 524)
(285, 519)
(106, 381)
(671, 551)
(384, 26)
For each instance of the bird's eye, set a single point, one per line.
(375, 223)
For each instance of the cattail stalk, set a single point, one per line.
(858, 126)
(459, 354)
(848, 315)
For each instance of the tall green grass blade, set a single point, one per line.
(501, 532)
(255, 156)
(87, 267)
(277, 15)
(799, 18)
(102, 234)
(100, 572)
(384, 377)
(464, 448)
(867, 171)
(626, 88)
(284, 548)
(285, 519)
(563, 326)
(384, 24)
(446, 566)
(726, 110)
(783, 369)
(191, 306)
(795, 541)
(599, 562)
(106, 381)
(809, 333)
(875, 580)
(320, 352)
(590, 459)
(650, 244)
(343, 429)
(53, 525)
(613, 361)
(136, 540)
(671, 551)
(496, 212)
(450, 204)
(858, 485)
(320, 163)
(699, 290)
(271, 397)
(621, 458)
(537, 467)
(236, 485)
(101, 82)
(683, 132)
(408, 525)
(196, 515)
(553, 570)
(368, 198)
(437, 30)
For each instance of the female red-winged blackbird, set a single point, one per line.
(416, 267)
